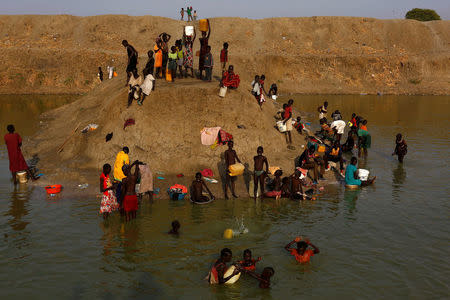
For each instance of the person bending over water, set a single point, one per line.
(351, 175)
(175, 227)
(216, 275)
(302, 254)
(401, 148)
(248, 264)
(260, 174)
(197, 189)
(130, 201)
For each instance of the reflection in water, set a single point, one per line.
(350, 197)
(19, 207)
(398, 179)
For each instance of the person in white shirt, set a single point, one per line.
(339, 126)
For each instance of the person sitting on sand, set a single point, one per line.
(260, 174)
(230, 159)
(296, 186)
(310, 161)
(129, 197)
(273, 91)
(248, 264)
(351, 175)
(334, 154)
(230, 79)
(216, 275)
(401, 148)
(109, 200)
(197, 189)
(277, 186)
(132, 59)
(175, 227)
(17, 162)
(302, 253)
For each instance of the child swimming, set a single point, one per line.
(175, 227)
(248, 264)
(302, 253)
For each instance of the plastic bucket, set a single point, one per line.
(281, 126)
(236, 169)
(22, 177)
(53, 189)
(223, 91)
(321, 149)
(203, 25)
(363, 174)
(189, 30)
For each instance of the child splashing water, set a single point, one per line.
(248, 264)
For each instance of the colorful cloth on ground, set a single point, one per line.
(16, 160)
(188, 56)
(130, 203)
(209, 135)
(302, 258)
(350, 175)
(224, 137)
(146, 179)
(158, 57)
(231, 80)
(121, 159)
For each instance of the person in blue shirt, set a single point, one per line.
(351, 175)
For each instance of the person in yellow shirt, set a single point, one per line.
(122, 158)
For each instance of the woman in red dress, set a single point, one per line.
(17, 162)
(230, 79)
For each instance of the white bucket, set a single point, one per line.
(274, 97)
(189, 30)
(281, 126)
(22, 176)
(363, 174)
(223, 91)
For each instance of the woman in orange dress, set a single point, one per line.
(158, 57)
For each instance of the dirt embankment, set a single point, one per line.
(60, 54)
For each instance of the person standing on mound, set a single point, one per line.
(130, 201)
(287, 120)
(230, 159)
(132, 59)
(17, 162)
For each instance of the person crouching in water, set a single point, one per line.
(302, 253)
(401, 148)
(197, 190)
(218, 270)
(351, 175)
(109, 200)
(130, 200)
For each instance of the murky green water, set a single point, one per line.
(390, 240)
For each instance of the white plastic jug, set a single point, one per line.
(189, 30)
(223, 91)
(281, 126)
(363, 174)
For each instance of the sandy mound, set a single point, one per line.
(166, 133)
(60, 54)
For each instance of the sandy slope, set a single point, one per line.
(60, 54)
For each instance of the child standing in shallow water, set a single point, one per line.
(109, 201)
(260, 174)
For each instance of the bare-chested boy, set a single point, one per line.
(230, 159)
(260, 174)
(197, 189)
(130, 201)
(296, 182)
